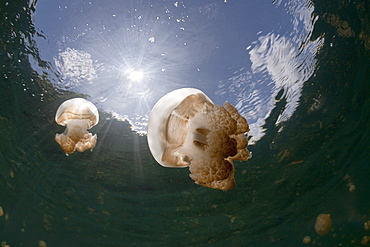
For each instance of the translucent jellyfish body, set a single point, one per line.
(78, 115)
(185, 129)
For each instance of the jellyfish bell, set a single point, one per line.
(78, 115)
(323, 224)
(161, 128)
(186, 128)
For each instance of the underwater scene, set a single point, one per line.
(184, 123)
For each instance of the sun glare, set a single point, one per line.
(135, 75)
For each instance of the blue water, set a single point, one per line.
(298, 71)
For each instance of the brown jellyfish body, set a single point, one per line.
(186, 129)
(78, 115)
(323, 224)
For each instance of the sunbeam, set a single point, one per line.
(125, 68)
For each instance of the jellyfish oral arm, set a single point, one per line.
(192, 132)
(76, 136)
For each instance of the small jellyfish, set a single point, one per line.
(42, 243)
(185, 129)
(366, 225)
(351, 187)
(323, 224)
(365, 240)
(78, 115)
(306, 240)
(4, 244)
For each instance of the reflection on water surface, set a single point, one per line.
(298, 71)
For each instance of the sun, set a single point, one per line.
(134, 75)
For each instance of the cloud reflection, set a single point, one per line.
(76, 68)
(278, 62)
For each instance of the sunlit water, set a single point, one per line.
(298, 71)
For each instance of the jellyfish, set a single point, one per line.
(306, 240)
(323, 224)
(78, 115)
(186, 129)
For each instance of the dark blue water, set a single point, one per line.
(310, 134)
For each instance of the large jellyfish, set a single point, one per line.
(185, 129)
